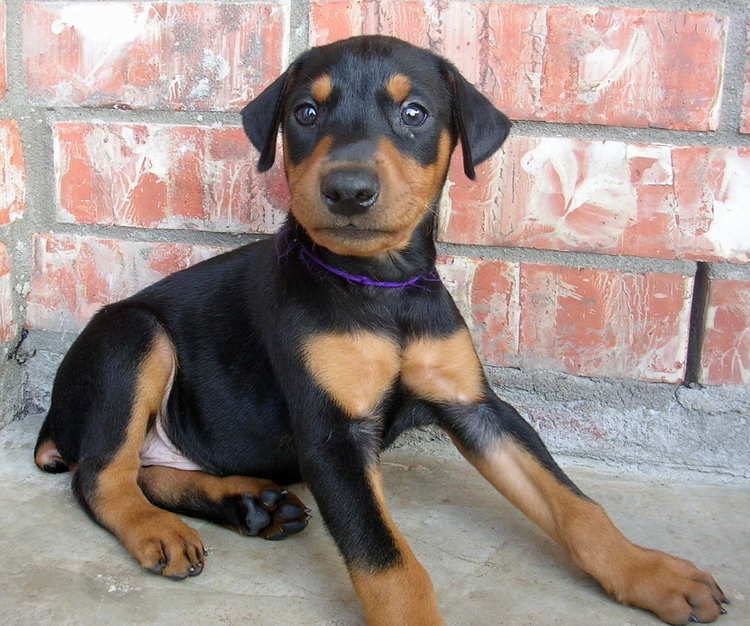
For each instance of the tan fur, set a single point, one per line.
(172, 488)
(403, 594)
(355, 369)
(321, 88)
(46, 454)
(443, 369)
(150, 534)
(407, 189)
(304, 184)
(398, 87)
(633, 575)
(171, 485)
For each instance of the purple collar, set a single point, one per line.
(306, 255)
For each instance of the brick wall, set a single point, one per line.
(609, 239)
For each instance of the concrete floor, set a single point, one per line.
(489, 565)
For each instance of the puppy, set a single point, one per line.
(303, 356)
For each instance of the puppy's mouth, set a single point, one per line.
(351, 231)
(350, 239)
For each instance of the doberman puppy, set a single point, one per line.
(303, 356)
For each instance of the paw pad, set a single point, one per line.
(274, 514)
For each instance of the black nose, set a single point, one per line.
(350, 191)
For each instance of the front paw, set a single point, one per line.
(674, 589)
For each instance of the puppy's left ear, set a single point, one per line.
(481, 128)
(261, 118)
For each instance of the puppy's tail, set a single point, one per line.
(46, 456)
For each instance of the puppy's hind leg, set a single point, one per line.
(122, 366)
(255, 507)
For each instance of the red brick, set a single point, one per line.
(3, 76)
(72, 276)
(745, 117)
(634, 67)
(486, 292)
(201, 55)
(604, 196)
(12, 173)
(614, 66)
(164, 176)
(725, 358)
(588, 322)
(331, 20)
(7, 325)
(605, 323)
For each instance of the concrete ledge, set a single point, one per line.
(12, 379)
(628, 424)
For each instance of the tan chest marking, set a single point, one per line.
(443, 369)
(355, 369)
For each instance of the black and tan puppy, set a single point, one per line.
(303, 356)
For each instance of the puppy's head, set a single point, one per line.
(368, 125)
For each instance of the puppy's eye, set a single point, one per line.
(414, 114)
(306, 114)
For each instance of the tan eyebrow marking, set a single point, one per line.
(398, 87)
(321, 88)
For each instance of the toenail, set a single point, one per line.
(271, 497)
(276, 536)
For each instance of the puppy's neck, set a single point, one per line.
(415, 259)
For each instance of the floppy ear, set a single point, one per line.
(481, 128)
(261, 118)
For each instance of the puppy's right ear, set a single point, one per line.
(261, 118)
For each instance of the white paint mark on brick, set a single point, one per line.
(6, 297)
(660, 172)
(105, 29)
(730, 227)
(12, 173)
(569, 185)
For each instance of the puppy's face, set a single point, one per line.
(369, 124)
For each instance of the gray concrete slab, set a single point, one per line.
(489, 565)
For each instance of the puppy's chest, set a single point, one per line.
(357, 369)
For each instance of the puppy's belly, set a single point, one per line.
(158, 449)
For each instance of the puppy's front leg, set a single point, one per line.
(337, 424)
(392, 585)
(509, 453)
